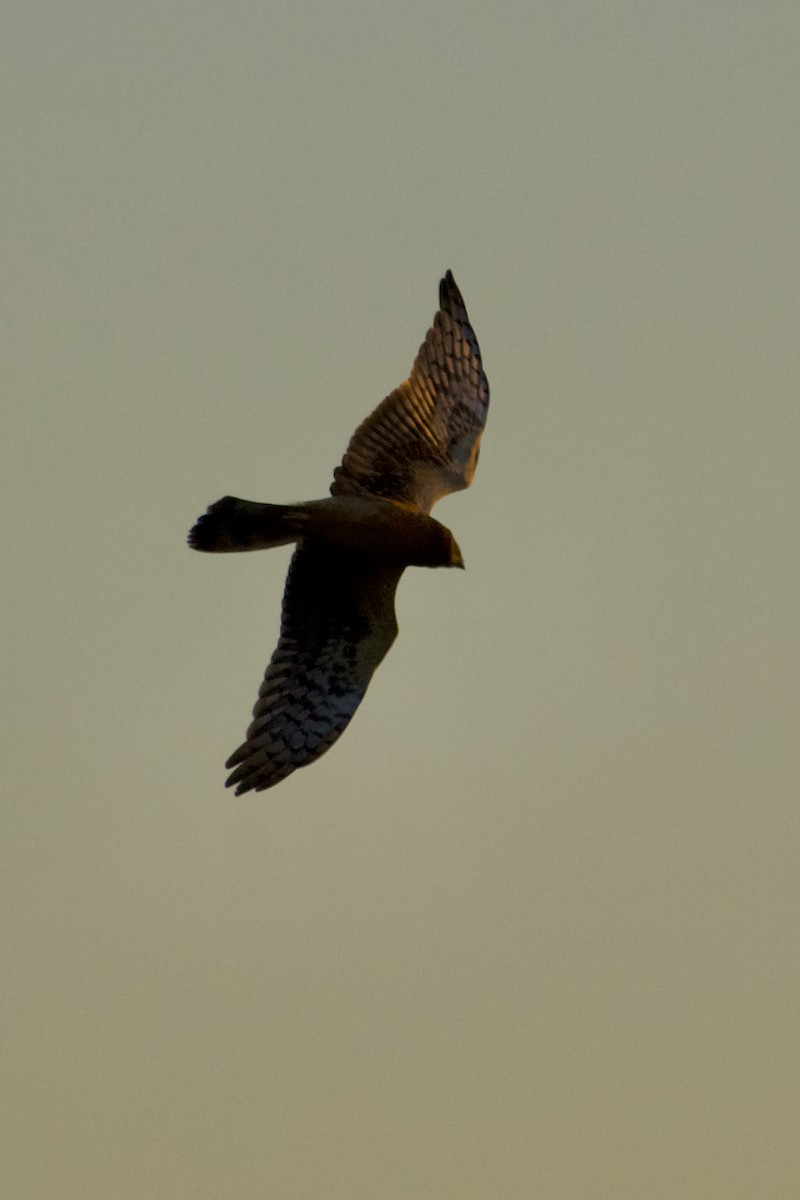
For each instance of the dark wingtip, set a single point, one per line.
(239, 785)
(449, 295)
(237, 765)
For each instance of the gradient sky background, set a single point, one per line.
(531, 928)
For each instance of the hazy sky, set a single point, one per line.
(531, 929)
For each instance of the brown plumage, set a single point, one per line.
(338, 619)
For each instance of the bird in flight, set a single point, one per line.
(338, 619)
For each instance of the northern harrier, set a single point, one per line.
(338, 618)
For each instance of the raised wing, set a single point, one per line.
(337, 624)
(422, 441)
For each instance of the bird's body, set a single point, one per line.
(338, 617)
(388, 530)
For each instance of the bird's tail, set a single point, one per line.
(233, 524)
